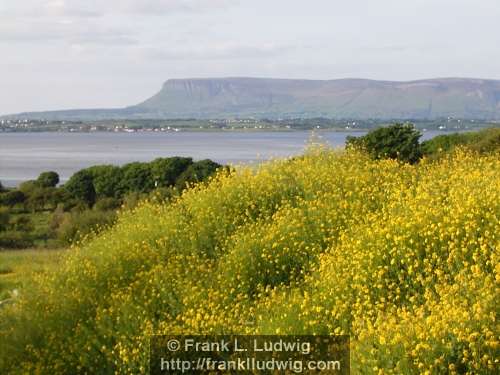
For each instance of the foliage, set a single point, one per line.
(401, 257)
(81, 186)
(165, 171)
(107, 180)
(484, 141)
(398, 141)
(197, 172)
(21, 223)
(14, 239)
(73, 226)
(107, 204)
(48, 179)
(18, 268)
(28, 186)
(105, 186)
(132, 200)
(137, 177)
(4, 218)
(12, 197)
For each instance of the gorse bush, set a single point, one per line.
(401, 257)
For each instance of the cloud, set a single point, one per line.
(68, 8)
(92, 21)
(218, 51)
(99, 8)
(64, 31)
(160, 7)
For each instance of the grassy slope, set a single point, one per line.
(402, 258)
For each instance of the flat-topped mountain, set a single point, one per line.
(342, 98)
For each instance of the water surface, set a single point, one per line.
(24, 156)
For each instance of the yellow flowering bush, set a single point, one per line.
(403, 258)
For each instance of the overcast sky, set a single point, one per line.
(61, 54)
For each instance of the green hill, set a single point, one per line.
(403, 258)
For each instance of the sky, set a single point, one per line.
(65, 54)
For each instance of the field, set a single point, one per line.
(19, 267)
(403, 258)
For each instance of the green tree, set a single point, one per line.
(81, 186)
(107, 181)
(137, 177)
(196, 172)
(166, 170)
(48, 179)
(398, 141)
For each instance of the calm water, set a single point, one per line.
(24, 156)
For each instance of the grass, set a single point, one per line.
(18, 268)
(403, 258)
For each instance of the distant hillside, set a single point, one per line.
(344, 98)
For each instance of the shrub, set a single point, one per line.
(21, 223)
(71, 227)
(487, 142)
(12, 198)
(398, 141)
(484, 141)
(48, 179)
(107, 204)
(132, 200)
(163, 194)
(12, 239)
(4, 217)
(28, 186)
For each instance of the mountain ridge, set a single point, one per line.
(352, 98)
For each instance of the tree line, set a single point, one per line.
(42, 210)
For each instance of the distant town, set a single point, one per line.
(251, 124)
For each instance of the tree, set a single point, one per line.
(196, 172)
(137, 177)
(107, 181)
(398, 141)
(48, 179)
(166, 170)
(81, 186)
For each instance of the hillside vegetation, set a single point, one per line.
(483, 141)
(401, 257)
(41, 213)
